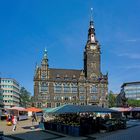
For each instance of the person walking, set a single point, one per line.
(34, 117)
(14, 121)
(42, 119)
(41, 123)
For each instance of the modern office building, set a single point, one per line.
(87, 86)
(1, 96)
(131, 90)
(11, 92)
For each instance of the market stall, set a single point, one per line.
(20, 112)
(79, 120)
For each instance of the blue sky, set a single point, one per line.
(61, 26)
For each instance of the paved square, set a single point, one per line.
(25, 132)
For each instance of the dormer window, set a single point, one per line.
(73, 76)
(57, 76)
(66, 77)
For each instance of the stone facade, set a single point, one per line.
(55, 87)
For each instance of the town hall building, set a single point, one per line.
(88, 86)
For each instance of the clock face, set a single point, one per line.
(92, 38)
(93, 47)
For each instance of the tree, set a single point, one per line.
(32, 101)
(25, 97)
(111, 99)
(133, 103)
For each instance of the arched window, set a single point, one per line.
(44, 87)
(43, 75)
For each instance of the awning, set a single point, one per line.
(33, 109)
(17, 108)
(78, 109)
(136, 109)
(122, 109)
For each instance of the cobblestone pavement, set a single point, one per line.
(25, 131)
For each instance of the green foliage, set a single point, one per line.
(111, 99)
(133, 103)
(32, 101)
(25, 97)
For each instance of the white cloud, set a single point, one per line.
(132, 40)
(131, 67)
(130, 55)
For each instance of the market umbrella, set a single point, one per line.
(33, 109)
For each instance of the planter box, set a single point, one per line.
(75, 130)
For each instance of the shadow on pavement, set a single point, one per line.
(31, 127)
(34, 135)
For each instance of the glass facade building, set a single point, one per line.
(132, 90)
(1, 96)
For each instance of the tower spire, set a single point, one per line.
(45, 58)
(91, 14)
(91, 31)
(45, 54)
(91, 18)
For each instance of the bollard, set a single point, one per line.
(1, 135)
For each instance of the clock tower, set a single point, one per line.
(44, 66)
(92, 54)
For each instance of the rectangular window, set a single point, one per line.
(66, 88)
(58, 98)
(57, 88)
(48, 105)
(82, 89)
(66, 98)
(58, 104)
(74, 88)
(82, 97)
(94, 97)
